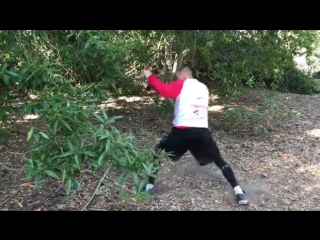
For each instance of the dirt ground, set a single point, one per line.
(279, 172)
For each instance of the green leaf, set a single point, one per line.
(64, 174)
(55, 127)
(69, 35)
(36, 181)
(14, 74)
(112, 119)
(142, 184)
(70, 145)
(103, 137)
(87, 44)
(69, 186)
(6, 79)
(29, 161)
(108, 144)
(85, 115)
(99, 117)
(90, 153)
(66, 154)
(44, 135)
(44, 76)
(30, 134)
(4, 67)
(28, 175)
(82, 143)
(66, 124)
(134, 189)
(37, 137)
(51, 174)
(34, 103)
(135, 179)
(105, 114)
(78, 161)
(76, 184)
(146, 168)
(91, 100)
(101, 158)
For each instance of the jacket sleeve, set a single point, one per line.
(167, 90)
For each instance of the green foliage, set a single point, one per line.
(70, 73)
(77, 134)
(258, 121)
(164, 108)
(254, 58)
(296, 81)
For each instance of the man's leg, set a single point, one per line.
(206, 151)
(172, 144)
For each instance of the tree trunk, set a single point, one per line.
(169, 65)
(178, 61)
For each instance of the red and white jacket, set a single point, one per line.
(191, 101)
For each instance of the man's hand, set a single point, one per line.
(147, 73)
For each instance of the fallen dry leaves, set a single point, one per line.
(279, 172)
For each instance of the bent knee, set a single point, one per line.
(204, 162)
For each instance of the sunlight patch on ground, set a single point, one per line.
(30, 116)
(32, 96)
(313, 169)
(213, 97)
(134, 98)
(113, 105)
(314, 132)
(312, 187)
(27, 117)
(215, 108)
(119, 103)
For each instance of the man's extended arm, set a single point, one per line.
(167, 90)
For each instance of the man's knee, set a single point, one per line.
(202, 164)
(205, 161)
(221, 164)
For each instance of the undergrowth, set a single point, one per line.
(269, 114)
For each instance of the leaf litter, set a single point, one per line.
(279, 172)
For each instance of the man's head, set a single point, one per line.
(184, 74)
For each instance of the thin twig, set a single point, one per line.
(95, 191)
(98, 209)
(10, 168)
(10, 197)
(24, 153)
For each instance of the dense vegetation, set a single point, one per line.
(64, 75)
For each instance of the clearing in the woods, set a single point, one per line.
(279, 172)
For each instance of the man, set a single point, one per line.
(190, 126)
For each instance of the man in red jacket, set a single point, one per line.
(190, 126)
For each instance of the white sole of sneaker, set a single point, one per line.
(243, 202)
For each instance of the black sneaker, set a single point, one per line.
(242, 199)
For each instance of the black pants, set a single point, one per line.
(200, 143)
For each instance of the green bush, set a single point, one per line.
(76, 134)
(71, 73)
(296, 81)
